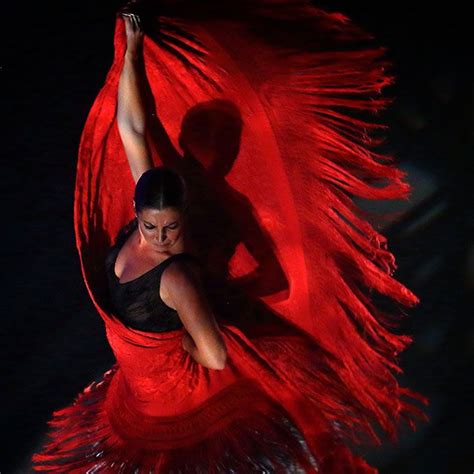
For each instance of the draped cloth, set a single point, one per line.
(265, 108)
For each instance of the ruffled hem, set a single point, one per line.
(262, 437)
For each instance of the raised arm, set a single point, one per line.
(182, 290)
(131, 108)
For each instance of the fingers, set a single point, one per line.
(135, 23)
(128, 26)
(138, 23)
(133, 20)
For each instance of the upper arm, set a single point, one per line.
(184, 291)
(137, 152)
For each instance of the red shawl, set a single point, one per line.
(294, 87)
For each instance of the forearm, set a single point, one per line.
(190, 347)
(131, 111)
(131, 104)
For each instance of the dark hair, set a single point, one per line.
(159, 188)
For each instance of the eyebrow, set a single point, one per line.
(167, 225)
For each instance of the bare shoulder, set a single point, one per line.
(180, 280)
(181, 270)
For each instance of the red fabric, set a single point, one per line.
(258, 103)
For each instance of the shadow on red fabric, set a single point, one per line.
(264, 108)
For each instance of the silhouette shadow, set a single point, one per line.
(219, 216)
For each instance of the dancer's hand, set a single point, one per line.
(134, 34)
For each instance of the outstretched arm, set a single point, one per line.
(131, 108)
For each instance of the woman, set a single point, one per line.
(192, 392)
(160, 215)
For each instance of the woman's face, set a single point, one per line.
(162, 229)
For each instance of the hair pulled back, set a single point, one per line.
(159, 188)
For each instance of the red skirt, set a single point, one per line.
(157, 410)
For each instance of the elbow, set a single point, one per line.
(220, 361)
(123, 124)
(129, 128)
(219, 365)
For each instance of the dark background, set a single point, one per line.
(55, 58)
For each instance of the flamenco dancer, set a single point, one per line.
(236, 278)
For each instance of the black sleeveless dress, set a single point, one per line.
(137, 302)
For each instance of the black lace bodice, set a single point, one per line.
(137, 302)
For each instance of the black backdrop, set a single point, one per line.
(55, 58)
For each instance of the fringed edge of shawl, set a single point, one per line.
(265, 438)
